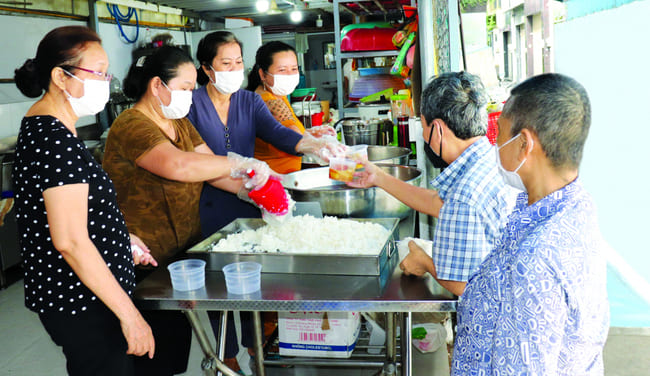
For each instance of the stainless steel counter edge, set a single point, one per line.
(291, 306)
(299, 292)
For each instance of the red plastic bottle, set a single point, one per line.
(271, 197)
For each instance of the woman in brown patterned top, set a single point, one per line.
(158, 163)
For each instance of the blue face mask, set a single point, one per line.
(511, 178)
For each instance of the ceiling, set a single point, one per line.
(277, 18)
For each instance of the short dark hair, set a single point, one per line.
(163, 63)
(460, 100)
(263, 60)
(61, 47)
(209, 47)
(557, 109)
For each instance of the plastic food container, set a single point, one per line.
(243, 277)
(187, 275)
(342, 169)
(357, 153)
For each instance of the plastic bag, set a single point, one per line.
(403, 247)
(434, 338)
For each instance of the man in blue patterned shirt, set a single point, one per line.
(538, 304)
(470, 198)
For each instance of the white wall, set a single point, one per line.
(607, 52)
(119, 52)
(474, 31)
(538, 44)
(19, 37)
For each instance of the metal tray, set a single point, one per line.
(341, 264)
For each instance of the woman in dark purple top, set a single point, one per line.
(229, 119)
(248, 118)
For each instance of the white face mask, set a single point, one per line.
(179, 105)
(284, 84)
(228, 82)
(511, 178)
(95, 97)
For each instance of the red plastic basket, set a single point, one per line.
(493, 129)
(375, 39)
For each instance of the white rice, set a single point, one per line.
(308, 235)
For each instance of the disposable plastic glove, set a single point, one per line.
(242, 194)
(321, 130)
(241, 167)
(323, 147)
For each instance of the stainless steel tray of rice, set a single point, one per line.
(304, 245)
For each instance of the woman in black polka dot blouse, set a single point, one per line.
(75, 245)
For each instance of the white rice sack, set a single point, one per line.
(306, 234)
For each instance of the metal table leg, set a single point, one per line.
(259, 349)
(406, 344)
(391, 345)
(221, 341)
(210, 362)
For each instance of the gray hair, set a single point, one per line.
(459, 99)
(557, 109)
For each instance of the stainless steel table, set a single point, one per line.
(391, 292)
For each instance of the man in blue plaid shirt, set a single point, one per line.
(538, 304)
(469, 197)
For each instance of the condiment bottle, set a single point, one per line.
(403, 131)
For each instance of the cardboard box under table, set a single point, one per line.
(318, 334)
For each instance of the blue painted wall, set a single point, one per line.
(579, 8)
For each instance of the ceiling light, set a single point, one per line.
(296, 16)
(262, 5)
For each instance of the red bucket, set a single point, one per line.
(493, 128)
(317, 119)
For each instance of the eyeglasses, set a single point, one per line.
(103, 76)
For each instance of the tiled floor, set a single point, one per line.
(26, 349)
